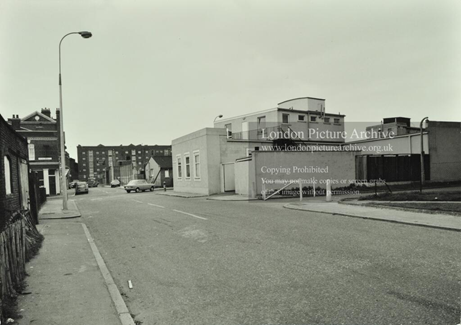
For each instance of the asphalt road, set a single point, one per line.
(198, 261)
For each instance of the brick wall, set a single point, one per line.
(14, 147)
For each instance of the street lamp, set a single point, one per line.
(423, 176)
(219, 116)
(84, 34)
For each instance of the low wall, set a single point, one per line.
(273, 170)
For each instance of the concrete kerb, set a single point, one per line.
(294, 207)
(348, 201)
(120, 306)
(183, 195)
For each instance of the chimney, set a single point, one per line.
(46, 111)
(15, 122)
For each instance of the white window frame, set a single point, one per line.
(8, 178)
(178, 167)
(187, 155)
(194, 163)
(167, 173)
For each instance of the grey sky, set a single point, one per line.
(157, 70)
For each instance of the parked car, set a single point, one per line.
(138, 185)
(115, 183)
(72, 184)
(81, 187)
(92, 182)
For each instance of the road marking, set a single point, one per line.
(137, 201)
(156, 205)
(190, 214)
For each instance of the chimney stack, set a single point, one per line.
(46, 111)
(15, 122)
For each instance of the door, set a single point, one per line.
(228, 177)
(52, 181)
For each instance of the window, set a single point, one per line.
(228, 130)
(84, 152)
(285, 118)
(301, 117)
(167, 173)
(97, 152)
(326, 120)
(84, 165)
(8, 178)
(139, 163)
(139, 152)
(313, 118)
(84, 158)
(196, 164)
(84, 176)
(178, 160)
(187, 163)
(84, 169)
(147, 151)
(133, 152)
(336, 120)
(261, 122)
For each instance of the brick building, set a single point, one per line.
(105, 163)
(42, 133)
(14, 184)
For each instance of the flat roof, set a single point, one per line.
(289, 100)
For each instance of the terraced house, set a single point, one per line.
(42, 133)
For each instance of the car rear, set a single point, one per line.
(81, 187)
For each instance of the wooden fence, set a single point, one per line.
(19, 242)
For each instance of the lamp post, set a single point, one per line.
(423, 176)
(219, 116)
(84, 34)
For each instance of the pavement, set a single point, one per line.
(67, 282)
(179, 194)
(356, 210)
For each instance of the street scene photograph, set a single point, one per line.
(232, 162)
